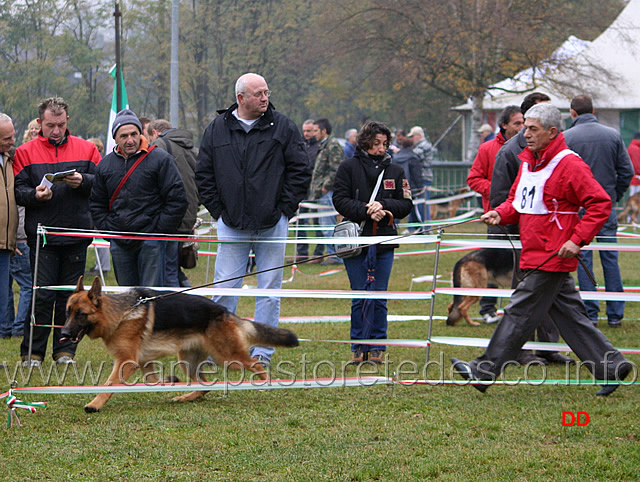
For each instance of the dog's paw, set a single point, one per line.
(90, 408)
(180, 399)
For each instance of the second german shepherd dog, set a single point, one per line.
(631, 209)
(192, 326)
(476, 270)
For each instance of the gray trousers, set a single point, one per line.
(540, 294)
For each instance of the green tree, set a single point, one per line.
(48, 49)
(457, 47)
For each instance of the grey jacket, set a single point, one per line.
(604, 151)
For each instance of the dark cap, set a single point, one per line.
(124, 117)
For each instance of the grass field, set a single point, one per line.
(361, 433)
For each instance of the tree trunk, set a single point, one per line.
(476, 121)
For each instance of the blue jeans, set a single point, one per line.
(611, 269)
(362, 326)
(5, 322)
(172, 264)
(142, 266)
(325, 221)
(231, 262)
(426, 208)
(20, 270)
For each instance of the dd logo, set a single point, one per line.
(580, 419)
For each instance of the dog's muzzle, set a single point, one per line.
(73, 335)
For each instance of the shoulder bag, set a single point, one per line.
(350, 229)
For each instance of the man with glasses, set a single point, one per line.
(252, 172)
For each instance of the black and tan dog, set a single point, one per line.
(631, 209)
(476, 270)
(192, 326)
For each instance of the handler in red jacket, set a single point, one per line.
(552, 185)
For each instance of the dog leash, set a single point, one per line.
(515, 251)
(288, 265)
(584, 266)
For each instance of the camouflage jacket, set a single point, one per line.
(329, 157)
(424, 151)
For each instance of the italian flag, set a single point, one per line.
(114, 107)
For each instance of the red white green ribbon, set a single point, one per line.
(13, 403)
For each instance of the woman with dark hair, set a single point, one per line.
(354, 184)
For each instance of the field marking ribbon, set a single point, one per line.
(13, 403)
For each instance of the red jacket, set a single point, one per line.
(572, 185)
(479, 178)
(634, 154)
(68, 208)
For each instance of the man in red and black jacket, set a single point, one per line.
(62, 203)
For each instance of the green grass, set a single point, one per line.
(362, 433)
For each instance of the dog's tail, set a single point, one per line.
(454, 312)
(265, 335)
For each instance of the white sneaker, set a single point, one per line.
(489, 318)
(65, 360)
(31, 363)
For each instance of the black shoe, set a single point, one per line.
(607, 390)
(527, 357)
(464, 370)
(555, 357)
(615, 323)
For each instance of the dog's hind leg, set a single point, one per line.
(454, 311)
(122, 370)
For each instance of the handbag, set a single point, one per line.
(188, 252)
(351, 229)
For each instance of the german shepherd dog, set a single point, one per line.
(631, 209)
(476, 270)
(192, 326)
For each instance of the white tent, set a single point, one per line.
(607, 69)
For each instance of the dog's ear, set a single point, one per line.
(95, 293)
(79, 286)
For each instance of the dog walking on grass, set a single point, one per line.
(192, 326)
(476, 270)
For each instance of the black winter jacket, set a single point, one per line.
(152, 200)
(355, 181)
(251, 179)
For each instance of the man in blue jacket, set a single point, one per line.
(151, 199)
(252, 172)
(603, 149)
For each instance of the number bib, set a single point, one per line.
(529, 197)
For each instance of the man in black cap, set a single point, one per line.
(137, 189)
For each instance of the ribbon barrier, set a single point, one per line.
(385, 341)
(530, 345)
(227, 385)
(13, 403)
(450, 245)
(520, 381)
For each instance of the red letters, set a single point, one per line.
(580, 419)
